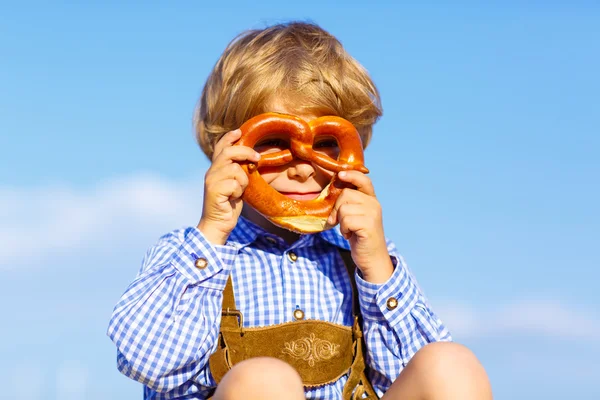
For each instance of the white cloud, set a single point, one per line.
(545, 318)
(42, 221)
(71, 381)
(27, 381)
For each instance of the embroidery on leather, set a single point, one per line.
(311, 349)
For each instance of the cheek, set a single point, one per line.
(269, 174)
(323, 175)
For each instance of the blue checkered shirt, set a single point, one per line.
(166, 324)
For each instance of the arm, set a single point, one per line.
(397, 322)
(396, 318)
(166, 323)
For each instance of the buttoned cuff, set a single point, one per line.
(203, 263)
(391, 300)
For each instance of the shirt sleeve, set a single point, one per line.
(166, 323)
(397, 322)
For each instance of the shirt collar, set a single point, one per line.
(246, 232)
(334, 236)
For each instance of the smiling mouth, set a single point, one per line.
(301, 196)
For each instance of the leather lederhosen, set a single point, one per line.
(321, 352)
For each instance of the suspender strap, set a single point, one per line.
(231, 317)
(357, 385)
(351, 268)
(228, 296)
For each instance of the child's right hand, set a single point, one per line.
(224, 183)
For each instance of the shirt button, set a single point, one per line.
(271, 239)
(392, 303)
(298, 314)
(201, 263)
(292, 256)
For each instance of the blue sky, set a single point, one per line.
(485, 162)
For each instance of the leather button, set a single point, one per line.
(292, 256)
(298, 314)
(201, 263)
(392, 303)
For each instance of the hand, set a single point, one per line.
(359, 214)
(224, 183)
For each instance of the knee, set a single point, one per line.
(261, 378)
(443, 356)
(448, 367)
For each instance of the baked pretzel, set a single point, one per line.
(302, 216)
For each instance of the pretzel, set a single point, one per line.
(302, 216)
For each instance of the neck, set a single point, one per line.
(252, 215)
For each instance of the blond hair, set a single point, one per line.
(299, 63)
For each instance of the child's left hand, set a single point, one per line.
(359, 214)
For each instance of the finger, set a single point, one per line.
(226, 140)
(346, 209)
(229, 189)
(237, 191)
(351, 209)
(229, 171)
(348, 196)
(236, 153)
(351, 224)
(362, 182)
(236, 205)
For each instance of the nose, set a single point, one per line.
(300, 170)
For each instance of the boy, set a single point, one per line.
(168, 324)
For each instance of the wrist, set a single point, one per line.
(212, 233)
(379, 270)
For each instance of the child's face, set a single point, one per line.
(300, 179)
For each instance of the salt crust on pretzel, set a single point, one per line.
(301, 216)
